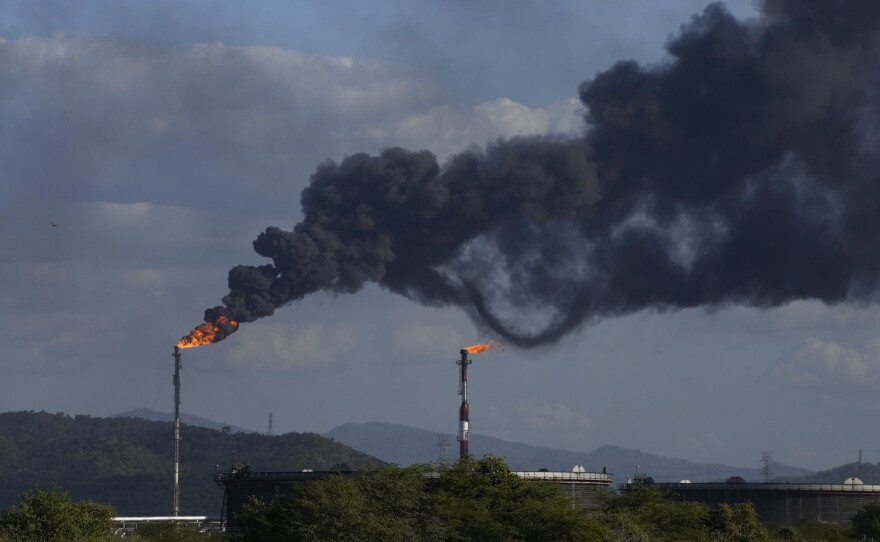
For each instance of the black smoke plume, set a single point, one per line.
(741, 170)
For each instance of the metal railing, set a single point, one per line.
(786, 486)
(600, 477)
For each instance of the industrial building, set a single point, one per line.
(781, 502)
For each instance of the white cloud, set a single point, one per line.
(537, 416)
(56, 340)
(416, 338)
(448, 129)
(546, 415)
(511, 118)
(830, 366)
(125, 212)
(152, 280)
(45, 273)
(276, 345)
(202, 124)
(811, 314)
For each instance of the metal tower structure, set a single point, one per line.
(269, 428)
(463, 412)
(442, 449)
(766, 470)
(176, 490)
(859, 473)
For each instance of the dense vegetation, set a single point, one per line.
(474, 500)
(126, 462)
(50, 516)
(480, 501)
(469, 501)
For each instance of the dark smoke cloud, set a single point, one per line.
(733, 173)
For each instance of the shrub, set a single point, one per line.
(50, 516)
(866, 522)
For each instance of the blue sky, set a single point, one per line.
(162, 137)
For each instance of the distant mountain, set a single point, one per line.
(188, 419)
(866, 472)
(127, 461)
(404, 445)
(664, 469)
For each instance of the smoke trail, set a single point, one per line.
(739, 171)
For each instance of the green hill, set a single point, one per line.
(127, 462)
(407, 445)
(188, 419)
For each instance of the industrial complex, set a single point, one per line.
(774, 502)
(240, 484)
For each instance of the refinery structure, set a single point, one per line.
(774, 502)
(240, 484)
(780, 502)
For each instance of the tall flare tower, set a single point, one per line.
(463, 412)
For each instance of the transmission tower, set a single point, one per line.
(442, 449)
(766, 469)
(269, 428)
(859, 474)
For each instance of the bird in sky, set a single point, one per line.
(54, 225)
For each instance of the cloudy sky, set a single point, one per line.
(162, 137)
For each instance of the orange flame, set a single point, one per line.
(477, 348)
(209, 332)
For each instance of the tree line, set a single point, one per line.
(471, 500)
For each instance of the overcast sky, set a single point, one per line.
(162, 137)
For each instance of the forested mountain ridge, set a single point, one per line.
(188, 419)
(867, 472)
(127, 462)
(405, 445)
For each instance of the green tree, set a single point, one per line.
(737, 523)
(51, 516)
(644, 513)
(472, 500)
(482, 500)
(866, 522)
(173, 532)
(386, 504)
